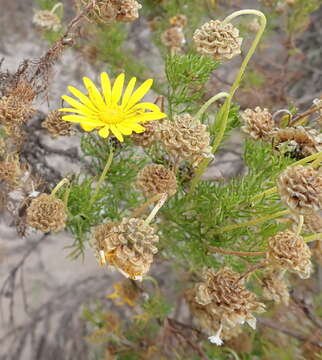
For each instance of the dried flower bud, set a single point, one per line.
(258, 123)
(185, 139)
(312, 223)
(10, 171)
(225, 293)
(297, 142)
(47, 20)
(129, 246)
(275, 288)
(56, 126)
(23, 91)
(217, 39)
(253, 26)
(179, 21)
(156, 179)
(47, 213)
(147, 137)
(300, 189)
(125, 292)
(173, 38)
(289, 251)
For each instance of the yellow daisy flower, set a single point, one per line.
(110, 111)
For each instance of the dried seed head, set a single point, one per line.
(47, 20)
(147, 137)
(258, 123)
(10, 171)
(129, 246)
(106, 11)
(179, 21)
(47, 213)
(23, 91)
(3, 147)
(300, 189)
(173, 38)
(185, 139)
(297, 142)
(226, 296)
(14, 111)
(156, 179)
(127, 10)
(219, 40)
(275, 288)
(56, 126)
(312, 223)
(289, 251)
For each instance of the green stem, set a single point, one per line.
(253, 221)
(226, 107)
(206, 105)
(217, 250)
(157, 207)
(59, 185)
(313, 237)
(270, 191)
(102, 177)
(300, 225)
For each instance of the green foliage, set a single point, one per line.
(46, 4)
(187, 75)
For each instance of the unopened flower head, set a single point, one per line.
(156, 179)
(110, 111)
(217, 39)
(47, 213)
(258, 123)
(129, 246)
(179, 21)
(47, 20)
(300, 188)
(287, 250)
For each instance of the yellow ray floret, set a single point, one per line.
(110, 112)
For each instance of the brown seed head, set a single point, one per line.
(185, 139)
(156, 179)
(297, 142)
(173, 38)
(147, 137)
(127, 10)
(275, 288)
(300, 188)
(219, 40)
(23, 91)
(56, 126)
(129, 246)
(258, 123)
(10, 171)
(225, 295)
(47, 213)
(14, 111)
(289, 251)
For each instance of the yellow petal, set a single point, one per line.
(77, 111)
(84, 99)
(76, 104)
(87, 127)
(124, 129)
(138, 128)
(117, 89)
(128, 91)
(83, 120)
(148, 116)
(104, 132)
(139, 93)
(106, 87)
(146, 106)
(94, 94)
(117, 133)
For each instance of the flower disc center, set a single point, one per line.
(111, 116)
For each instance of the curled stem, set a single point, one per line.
(253, 222)
(59, 185)
(102, 177)
(217, 250)
(56, 7)
(206, 105)
(157, 207)
(300, 225)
